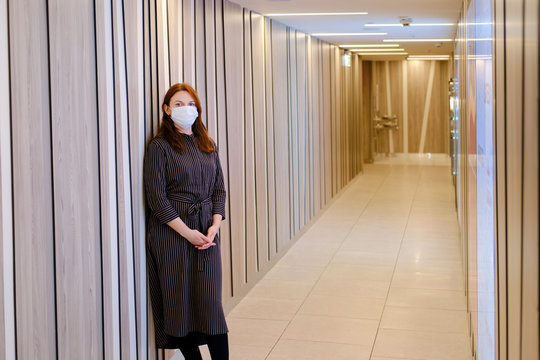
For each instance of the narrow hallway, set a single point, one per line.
(378, 276)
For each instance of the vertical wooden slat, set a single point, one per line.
(32, 181)
(366, 111)
(326, 100)
(133, 18)
(321, 141)
(107, 160)
(162, 60)
(176, 48)
(301, 112)
(315, 105)
(210, 61)
(360, 102)
(530, 252)
(281, 134)
(234, 81)
(294, 199)
(514, 180)
(150, 126)
(123, 181)
(225, 231)
(259, 119)
(249, 144)
(270, 137)
(188, 46)
(405, 121)
(75, 179)
(334, 81)
(346, 93)
(7, 286)
(310, 199)
(151, 79)
(200, 56)
(339, 118)
(501, 329)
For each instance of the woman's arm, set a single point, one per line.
(193, 236)
(156, 194)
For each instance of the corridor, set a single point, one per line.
(378, 276)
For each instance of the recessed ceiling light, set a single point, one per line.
(400, 25)
(368, 50)
(417, 40)
(419, 56)
(347, 34)
(318, 14)
(428, 57)
(425, 59)
(384, 53)
(369, 45)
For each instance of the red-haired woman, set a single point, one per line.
(186, 197)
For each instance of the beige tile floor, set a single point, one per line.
(378, 276)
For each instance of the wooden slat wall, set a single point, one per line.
(516, 138)
(518, 271)
(7, 286)
(284, 113)
(437, 135)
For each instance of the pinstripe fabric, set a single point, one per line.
(185, 283)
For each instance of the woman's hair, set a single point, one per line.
(168, 130)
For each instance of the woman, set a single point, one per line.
(186, 197)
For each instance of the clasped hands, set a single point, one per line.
(202, 242)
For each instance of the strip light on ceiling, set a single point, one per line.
(428, 57)
(401, 25)
(417, 40)
(318, 14)
(348, 34)
(369, 46)
(375, 50)
(384, 53)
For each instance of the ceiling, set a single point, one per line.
(379, 12)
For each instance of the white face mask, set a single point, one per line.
(184, 116)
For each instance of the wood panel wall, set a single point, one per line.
(388, 83)
(516, 195)
(86, 81)
(517, 114)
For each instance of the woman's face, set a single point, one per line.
(181, 98)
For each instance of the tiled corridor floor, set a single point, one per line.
(378, 276)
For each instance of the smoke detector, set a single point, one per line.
(405, 21)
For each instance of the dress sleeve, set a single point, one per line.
(219, 195)
(155, 184)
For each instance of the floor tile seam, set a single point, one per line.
(427, 308)
(323, 342)
(319, 277)
(338, 318)
(249, 345)
(424, 332)
(328, 342)
(399, 358)
(423, 288)
(419, 176)
(435, 330)
(438, 308)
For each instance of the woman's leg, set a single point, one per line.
(189, 347)
(218, 345)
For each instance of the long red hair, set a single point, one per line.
(168, 130)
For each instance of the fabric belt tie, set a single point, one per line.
(194, 209)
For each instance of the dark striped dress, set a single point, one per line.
(185, 283)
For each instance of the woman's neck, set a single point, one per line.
(188, 131)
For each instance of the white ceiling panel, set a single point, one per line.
(379, 12)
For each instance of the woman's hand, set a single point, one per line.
(212, 231)
(200, 241)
